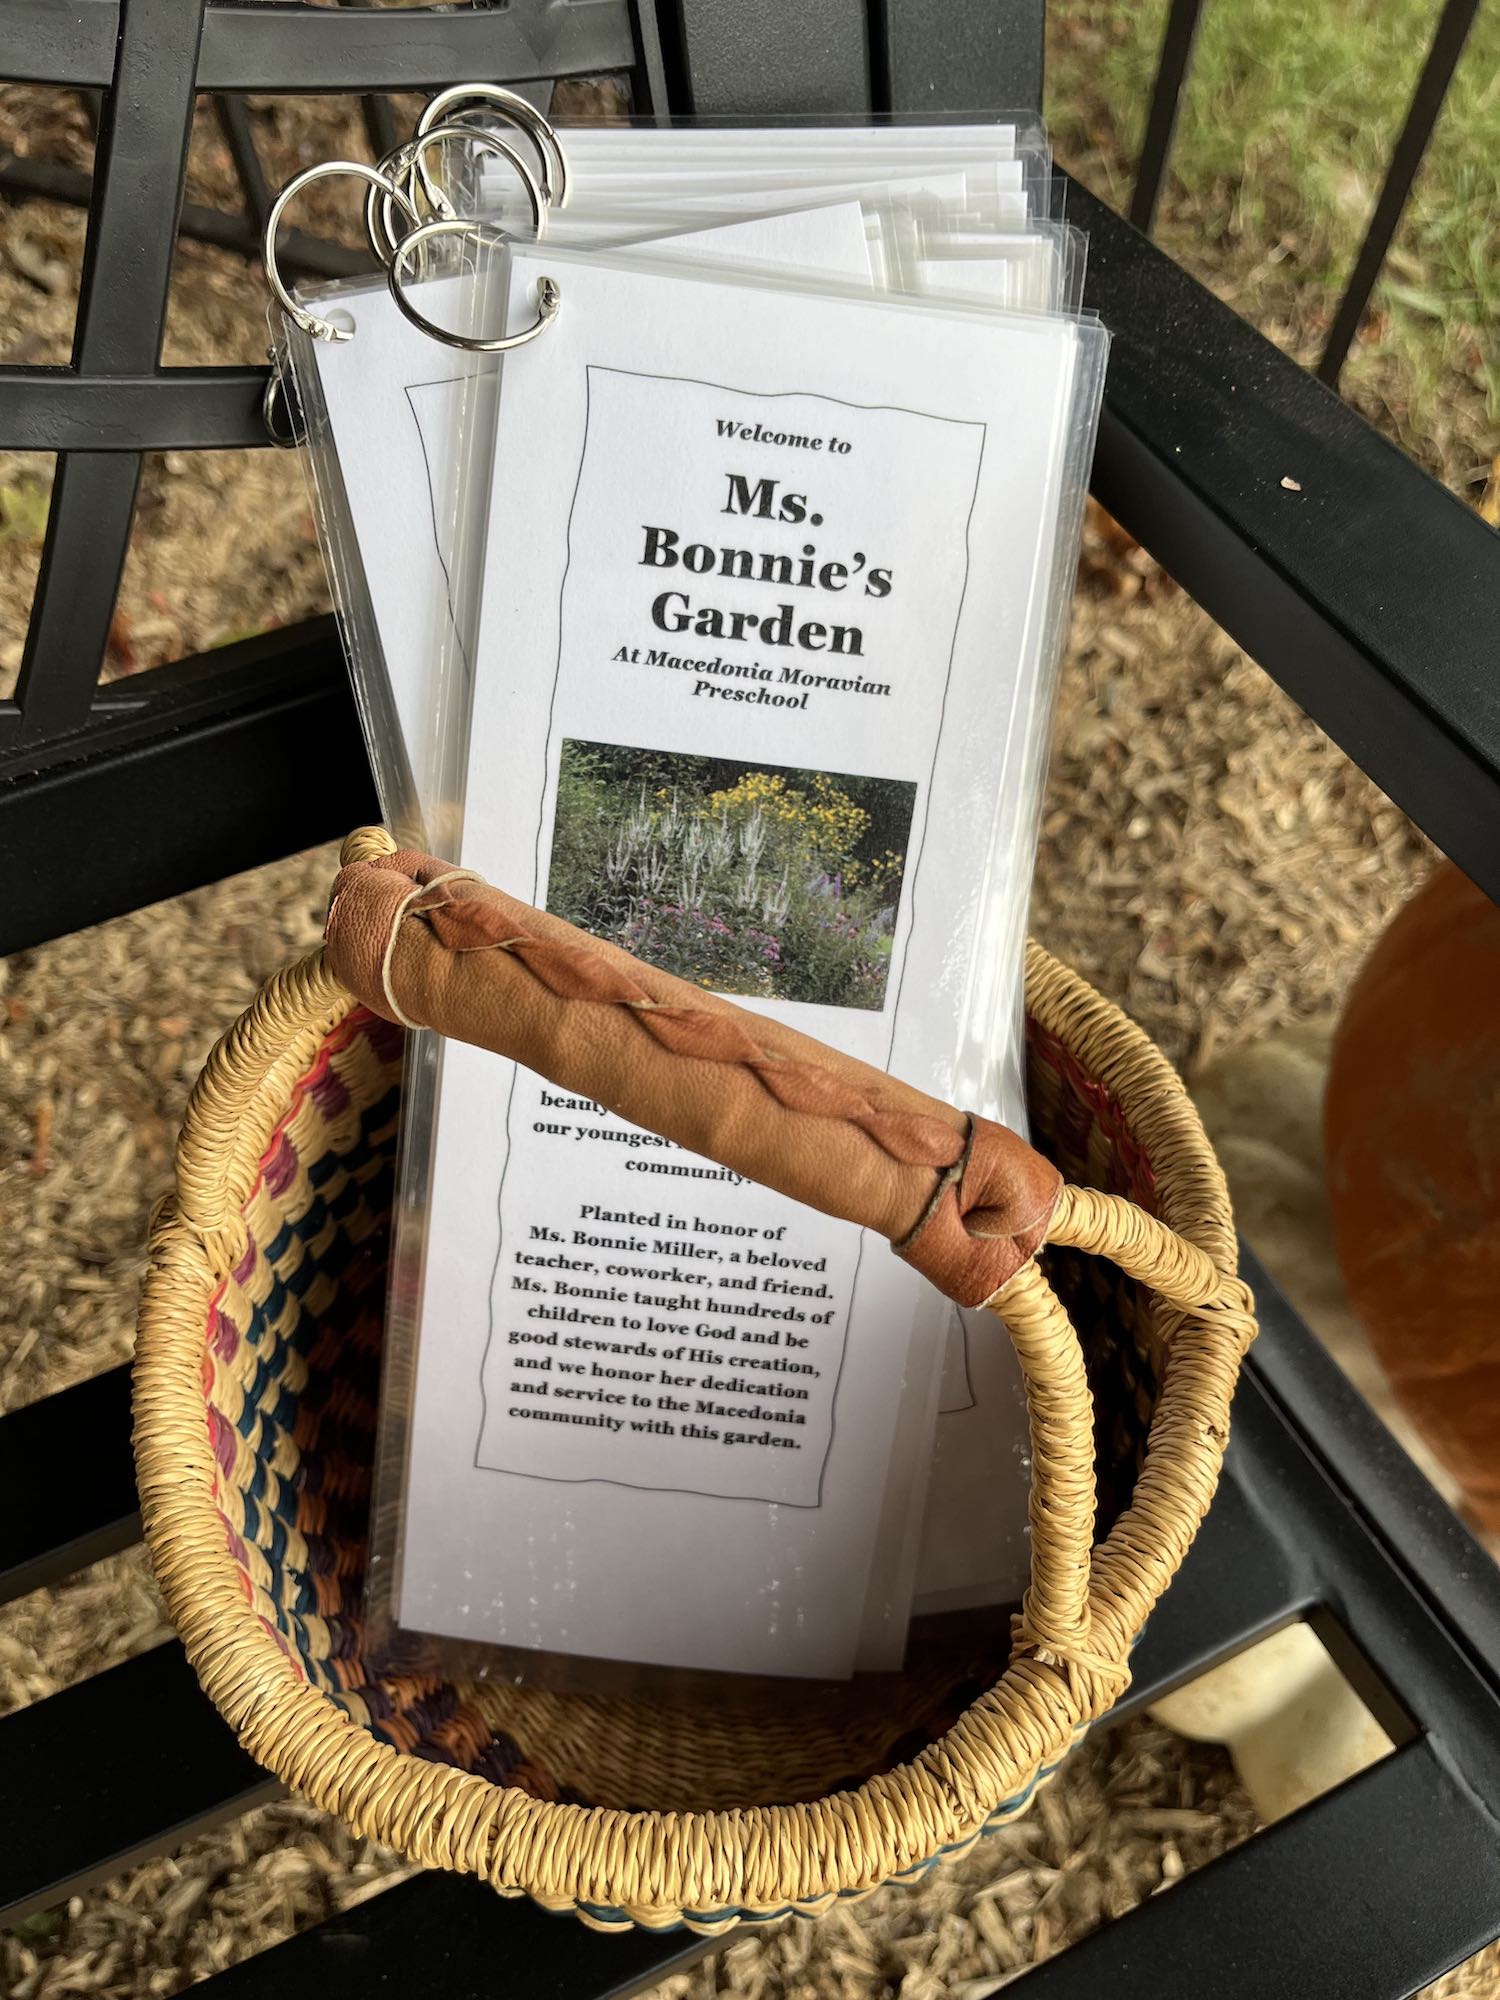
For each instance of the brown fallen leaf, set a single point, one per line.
(41, 1137)
(119, 652)
(48, 274)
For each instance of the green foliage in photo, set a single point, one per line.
(743, 878)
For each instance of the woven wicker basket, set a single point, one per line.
(255, 1392)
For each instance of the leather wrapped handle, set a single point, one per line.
(961, 1198)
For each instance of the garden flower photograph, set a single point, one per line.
(745, 878)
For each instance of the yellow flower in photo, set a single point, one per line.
(829, 820)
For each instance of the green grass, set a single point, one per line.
(24, 505)
(1287, 123)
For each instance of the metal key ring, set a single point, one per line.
(380, 208)
(320, 329)
(548, 292)
(479, 123)
(276, 389)
(537, 127)
(490, 142)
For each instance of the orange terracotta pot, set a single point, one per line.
(1412, 1129)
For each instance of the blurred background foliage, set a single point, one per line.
(1288, 119)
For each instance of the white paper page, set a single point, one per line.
(831, 241)
(942, 184)
(599, 185)
(1020, 279)
(641, 431)
(709, 141)
(1005, 210)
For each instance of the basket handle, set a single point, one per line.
(1213, 1314)
(960, 1197)
(1056, 1619)
(1084, 1605)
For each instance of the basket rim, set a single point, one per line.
(658, 1869)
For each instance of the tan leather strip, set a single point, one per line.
(966, 1200)
(982, 1222)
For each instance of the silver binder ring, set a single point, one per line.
(475, 97)
(548, 293)
(487, 142)
(311, 322)
(380, 209)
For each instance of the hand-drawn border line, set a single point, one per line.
(764, 395)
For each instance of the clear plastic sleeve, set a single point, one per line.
(379, 417)
(921, 281)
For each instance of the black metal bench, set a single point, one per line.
(1372, 600)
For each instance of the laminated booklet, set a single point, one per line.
(721, 618)
(763, 615)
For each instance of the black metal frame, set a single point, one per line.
(1179, 39)
(1366, 590)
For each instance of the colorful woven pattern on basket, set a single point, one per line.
(1089, 1138)
(291, 1378)
(291, 1364)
